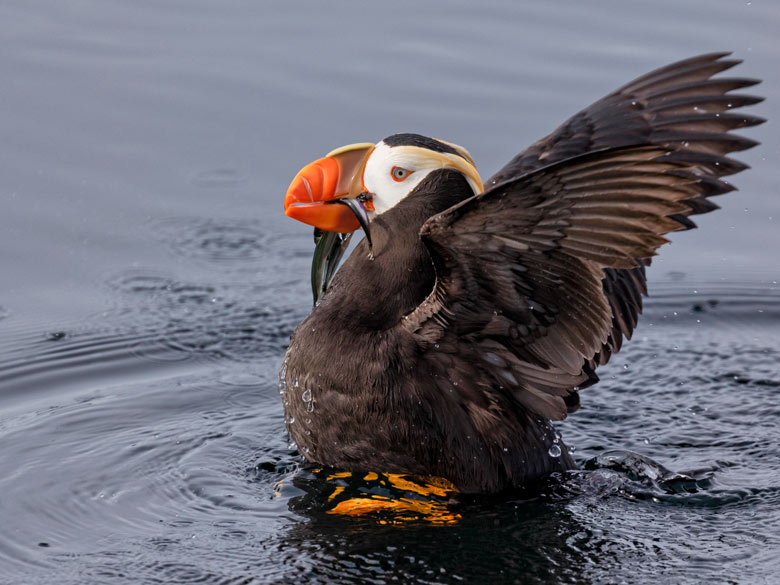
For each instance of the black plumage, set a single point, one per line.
(410, 139)
(480, 317)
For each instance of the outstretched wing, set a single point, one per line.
(676, 104)
(680, 107)
(519, 299)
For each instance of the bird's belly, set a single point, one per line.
(367, 430)
(341, 426)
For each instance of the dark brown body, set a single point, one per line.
(482, 317)
(363, 397)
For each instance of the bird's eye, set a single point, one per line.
(399, 173)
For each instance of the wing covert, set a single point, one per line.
(680, 107)
(538, 276)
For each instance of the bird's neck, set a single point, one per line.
(375, 293)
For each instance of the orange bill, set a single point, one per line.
(320, 184)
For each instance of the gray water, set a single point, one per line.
(150, 283)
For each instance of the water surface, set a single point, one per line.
(150, 284)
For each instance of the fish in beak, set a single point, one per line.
(329, 195)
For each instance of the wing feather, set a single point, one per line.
(680, 107)
(540, 277)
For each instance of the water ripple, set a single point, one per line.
(170, 472)
(229, 244)
(207, 321)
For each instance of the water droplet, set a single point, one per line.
(310, 406)
(306, 395)
(292, 420)
(436, 345)
(555, 451)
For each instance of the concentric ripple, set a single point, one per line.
(205, 321)
(140, 461)
(156, 470)
(212, 240)
(230, 244)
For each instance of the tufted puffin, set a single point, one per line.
(472, 314)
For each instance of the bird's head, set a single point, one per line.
(352, 185)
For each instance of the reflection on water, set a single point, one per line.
(150, 284)
(523, 542)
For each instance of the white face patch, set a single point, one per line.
(378, 175)
(392, 172)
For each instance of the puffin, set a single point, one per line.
(472, 314)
